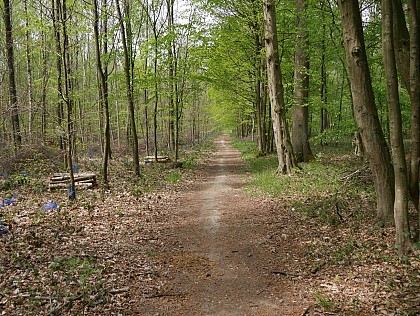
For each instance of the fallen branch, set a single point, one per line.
(164, 295)
(118, 291)
(306, 311)
(287, 274)
(56, 310)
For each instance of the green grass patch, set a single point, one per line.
(173, 176)
(333, 186)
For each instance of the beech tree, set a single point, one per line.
(276, 91)
(365, 111)
(103, 91)
(414, 21)
(395, 126)
(300, 128)
(126, 40)
(17, 138)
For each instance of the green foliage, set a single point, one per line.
(173, 176)
(324, 302)
(75, 278)
(325, 188)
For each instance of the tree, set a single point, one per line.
(300, 130)
(406, 47)
(68, 96)
(126, 39)
(276, 91)
(28, 68)
(17, 138)
(55, 15)
(365, 110)
(395, 127)
(103, 93)
(414, 20)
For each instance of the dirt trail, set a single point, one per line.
(219, 263)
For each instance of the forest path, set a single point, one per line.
(220, 261)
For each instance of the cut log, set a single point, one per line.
(81, 180)
(82, 185)
(59, 177)
(151, 159)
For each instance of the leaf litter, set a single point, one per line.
(120, 252)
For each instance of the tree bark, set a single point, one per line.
(300, 126)
(28, 69)
(44, 86)
(323, 121)
(128, 70)
(103, 94)
(275, 86)
(17, 138)
(365, 110)
(402, 234)
(57, 36)
(68, 97)
(414, 79)
(401, 42)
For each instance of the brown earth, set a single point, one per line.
(203, 246)
(221, 262)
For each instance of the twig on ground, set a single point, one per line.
(164, 295)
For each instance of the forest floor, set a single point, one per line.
(202, 246)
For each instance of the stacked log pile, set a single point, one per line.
(81, 180)
(152, 159)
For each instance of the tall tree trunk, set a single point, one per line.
(259, 69)
(128, 70)
(103, 94)
(156, 93)
(171, 70)
(17, 138)
(275, 86)
(57, 35)
(365, 110)
(401, 42)
(68, 98)
(44, 86)
(28, 69)
(402, 241)
(145, 91)
(323, 122)
(300, 126)
(414, 20)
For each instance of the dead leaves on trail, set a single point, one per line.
(110, 253)
(349, 270)
(95, 256)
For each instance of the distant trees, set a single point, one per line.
(167, 76)
(342, 93)
(131, 68)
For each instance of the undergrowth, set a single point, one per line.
(334, 187)
(334, 197)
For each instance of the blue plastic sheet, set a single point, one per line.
(6, 202)
(50, 206)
